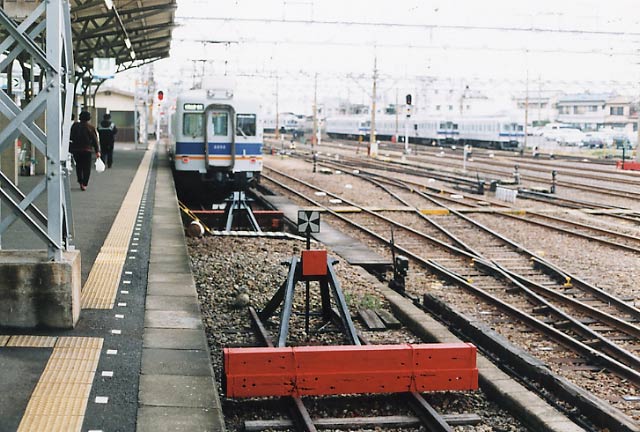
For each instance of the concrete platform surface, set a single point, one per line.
(142, 364)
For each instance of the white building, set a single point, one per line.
(585, 111)
(540, 108)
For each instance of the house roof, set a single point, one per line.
(116, 91)
(619, 100)
(585, 97)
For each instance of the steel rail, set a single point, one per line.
(568, 184)
(598, 292)
(430, 171)
(608, 346)
(299, 414)
(626, 177)
(616, 322)
(427, 415)
(583, 235)
(530, 212)
(566, 340)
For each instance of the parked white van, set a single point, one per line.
(563, 134)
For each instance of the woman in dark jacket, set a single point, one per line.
(83, 139)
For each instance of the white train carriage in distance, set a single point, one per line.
(349, 127)
(499, 132)
(491, 131)
(217, 142)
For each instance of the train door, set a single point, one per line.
(220, 142)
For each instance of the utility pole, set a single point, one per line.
(539, 99)
(315, 112)
(638, 142)
(372, 134)
(277, 128)
(526, 110)
(397, 114)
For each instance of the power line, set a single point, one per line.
(530, 29)
(309, 75)
(605, 52)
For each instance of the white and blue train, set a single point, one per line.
(349, 127)
(498, 131)
(216, 143)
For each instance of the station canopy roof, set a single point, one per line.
(133, 32)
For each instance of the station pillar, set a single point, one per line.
(38, 292)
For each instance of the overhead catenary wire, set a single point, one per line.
(473, 48)
(529, 29)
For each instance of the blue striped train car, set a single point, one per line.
(216, 143)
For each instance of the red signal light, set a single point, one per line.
(160, 95)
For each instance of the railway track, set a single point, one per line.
(497, 157)
(465, 183)
(510, 283)
(397, 166)
(423, 413)
(262, 273)
(629, 178)
(609, 237)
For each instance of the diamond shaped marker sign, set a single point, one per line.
(308, 221)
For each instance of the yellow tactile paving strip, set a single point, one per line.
(31, 341)
(101, 287)
(4, 340)
(59, 401)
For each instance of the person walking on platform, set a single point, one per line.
(83, 139)
(107, 131)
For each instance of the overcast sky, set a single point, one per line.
(587, 42)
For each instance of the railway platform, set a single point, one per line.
(138, 357)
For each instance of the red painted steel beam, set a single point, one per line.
(628, 165)
(326, 370)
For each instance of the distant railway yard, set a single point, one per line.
(537, 270)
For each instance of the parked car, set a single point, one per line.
(563, 134)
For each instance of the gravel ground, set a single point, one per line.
(224, 267)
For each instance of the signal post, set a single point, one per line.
(406, 125)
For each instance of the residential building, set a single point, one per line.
(618, 112)
(540, 108)
(120, 104)
(585, 111)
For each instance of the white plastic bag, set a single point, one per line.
(99, 165)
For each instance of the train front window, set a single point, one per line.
(192, 124)
(220, 122)
(246, 124)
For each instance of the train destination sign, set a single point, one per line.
(193, 107)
